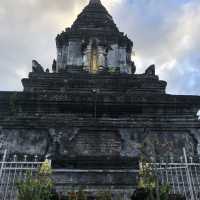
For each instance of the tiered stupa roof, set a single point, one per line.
(94, 21)
(95, 16)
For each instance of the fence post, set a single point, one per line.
(49, 160)
(3, 161)
(188, 174)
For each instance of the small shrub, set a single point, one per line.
(149, 187)
(37, 187)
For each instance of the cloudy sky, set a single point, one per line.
(165, 32)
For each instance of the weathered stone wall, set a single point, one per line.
(62, 57)
(130, 116)
(121, 183)
(117, 57)
(72, 55)
(75, 55)
(97, 156)
(24, 141)
(69, 55)
(121, 142)
(101, 123)
(113, 83)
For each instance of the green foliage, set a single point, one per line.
(164, 192)
(45, 169)
(111, 70)
(147, 179)
(149, 184)
(37, 187)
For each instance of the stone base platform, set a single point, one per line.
(121, 183)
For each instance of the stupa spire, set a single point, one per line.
(95, 1)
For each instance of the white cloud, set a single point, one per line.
(164, 32)
(110, 4)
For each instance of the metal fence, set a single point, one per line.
(12, 170)
(183, 177)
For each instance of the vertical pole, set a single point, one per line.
(177, 178)
(182, 177)
(172, 174)
(1, 174)
(3, 161)
(188, 174)
(12, 191)
(193, 177)
(8, 181)
(197, 176)
(161, 166)
(155, 171)
(49, 160)
(95, 93)
(95, 106)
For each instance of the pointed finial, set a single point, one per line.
(95, 1)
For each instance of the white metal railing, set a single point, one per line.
(183, 176)
(13, 170)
